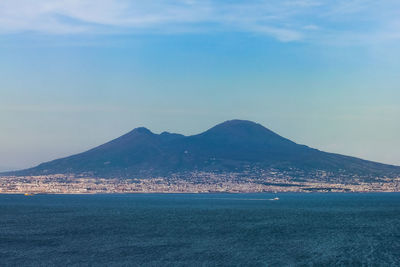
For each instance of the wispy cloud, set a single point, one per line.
(296, 20)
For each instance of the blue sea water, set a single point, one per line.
(200, 230)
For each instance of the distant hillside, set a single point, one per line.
(232, 146)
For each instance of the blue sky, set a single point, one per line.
(74, 74)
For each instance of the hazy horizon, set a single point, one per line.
(76, 74)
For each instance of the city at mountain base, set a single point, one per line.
(199, 182)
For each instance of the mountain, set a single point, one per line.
(232, 146)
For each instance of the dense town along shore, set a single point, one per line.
(197, 183)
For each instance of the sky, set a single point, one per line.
(77, 73)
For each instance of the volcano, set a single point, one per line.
(232, 146)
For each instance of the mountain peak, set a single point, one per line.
(137, 133)
(141, 130)
(239, 124)
(240, 128)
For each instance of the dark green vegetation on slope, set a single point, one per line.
(232, 146)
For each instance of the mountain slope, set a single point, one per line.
(232, 146)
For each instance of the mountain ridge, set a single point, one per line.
(231, 146)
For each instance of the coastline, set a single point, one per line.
(61, 184)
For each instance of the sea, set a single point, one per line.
(299, 229)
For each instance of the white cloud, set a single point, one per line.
(295, 20)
